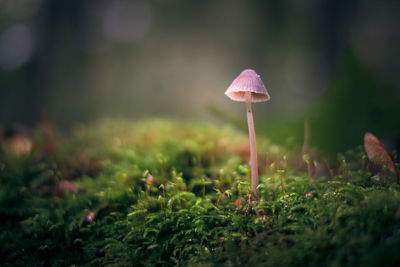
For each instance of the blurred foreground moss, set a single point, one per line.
(166, 193)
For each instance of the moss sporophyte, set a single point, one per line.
(248, 87)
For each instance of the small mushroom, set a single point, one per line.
(248, 87)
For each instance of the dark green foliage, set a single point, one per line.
(190, 213)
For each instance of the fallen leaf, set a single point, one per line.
(378, 153)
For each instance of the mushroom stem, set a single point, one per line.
(253, 149)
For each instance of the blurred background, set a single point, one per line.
(333, 62)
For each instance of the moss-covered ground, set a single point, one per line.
(171, 194)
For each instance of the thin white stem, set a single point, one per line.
(306, 144)
(253, 147)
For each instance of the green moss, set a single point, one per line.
(187, 215)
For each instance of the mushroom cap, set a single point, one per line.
(248, 81)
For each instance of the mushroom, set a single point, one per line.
(248, 87)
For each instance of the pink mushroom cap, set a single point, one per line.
(248, 81)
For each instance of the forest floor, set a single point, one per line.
(166, 193)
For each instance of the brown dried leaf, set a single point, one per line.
(377, 152)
